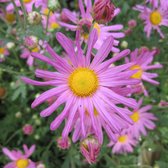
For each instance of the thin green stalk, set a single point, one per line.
(18, 60)
(24, 13)
(12, 136)
(47, 21)
(17, 12)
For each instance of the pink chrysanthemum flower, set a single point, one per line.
(142, 60)
(125, 143)
(142, 119)
(153, 18)
(85, 23)
(53, 19)
(27, 53)
(84, 85)
(20, 160)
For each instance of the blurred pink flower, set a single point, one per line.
(153, 18)
(18, 159)
(142, 119)
(28, 129)
(142, 62)
(90, 149)
(85, 23)
(125, 143)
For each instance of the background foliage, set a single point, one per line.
(15, 109)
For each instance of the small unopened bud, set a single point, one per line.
(90, 148)
(28, 129)
(38, 122)
(103, 11)
(53, 5)
(40, 165)
(36, 137)
(2, 92)
(124, 44)
(18, 114)
(31, 42)
(132, 23)
(34, 18)
(63, 143)
(10, 45)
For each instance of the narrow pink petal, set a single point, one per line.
(61, 99)
(59, 119)
(9, 154)
(91, 42)
(46, 95)
(103, 52)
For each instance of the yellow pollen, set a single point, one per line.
(2, 51)
(55, 25)
(135, 116)
(27, 1)
(122, 138)
(85, 36)
(83, 82)
(155, 18)
(46, 12)
(139, 73)
(10, 17)
(35, 49)
(22, 163)
(97, 27)
(96, 113)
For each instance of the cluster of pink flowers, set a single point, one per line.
(155, 16)
(97, 93)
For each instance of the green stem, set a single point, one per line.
(47, 20)
(24, 13)
(17, 12)
(18, 60)
(12, 136)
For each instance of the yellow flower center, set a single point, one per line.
(55, 25)
(27, 1)
(83, 82)
(46, 12)
(97, 27)
(2, 51)
(155, 18)
(135, 116)
(22, 163)
(35, 49)
(10, 17)
(122, 138)
(139, 73)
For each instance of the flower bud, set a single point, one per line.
(132, 23)
(103, 11)
(40, 165)
(124, 44)
(34, 18)
(31, 42)
(53, 5)
(18, 114)
(90, 148)
(28, 129)
(63, 143)
(10, 45)
(2, 92)
(36, 137)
